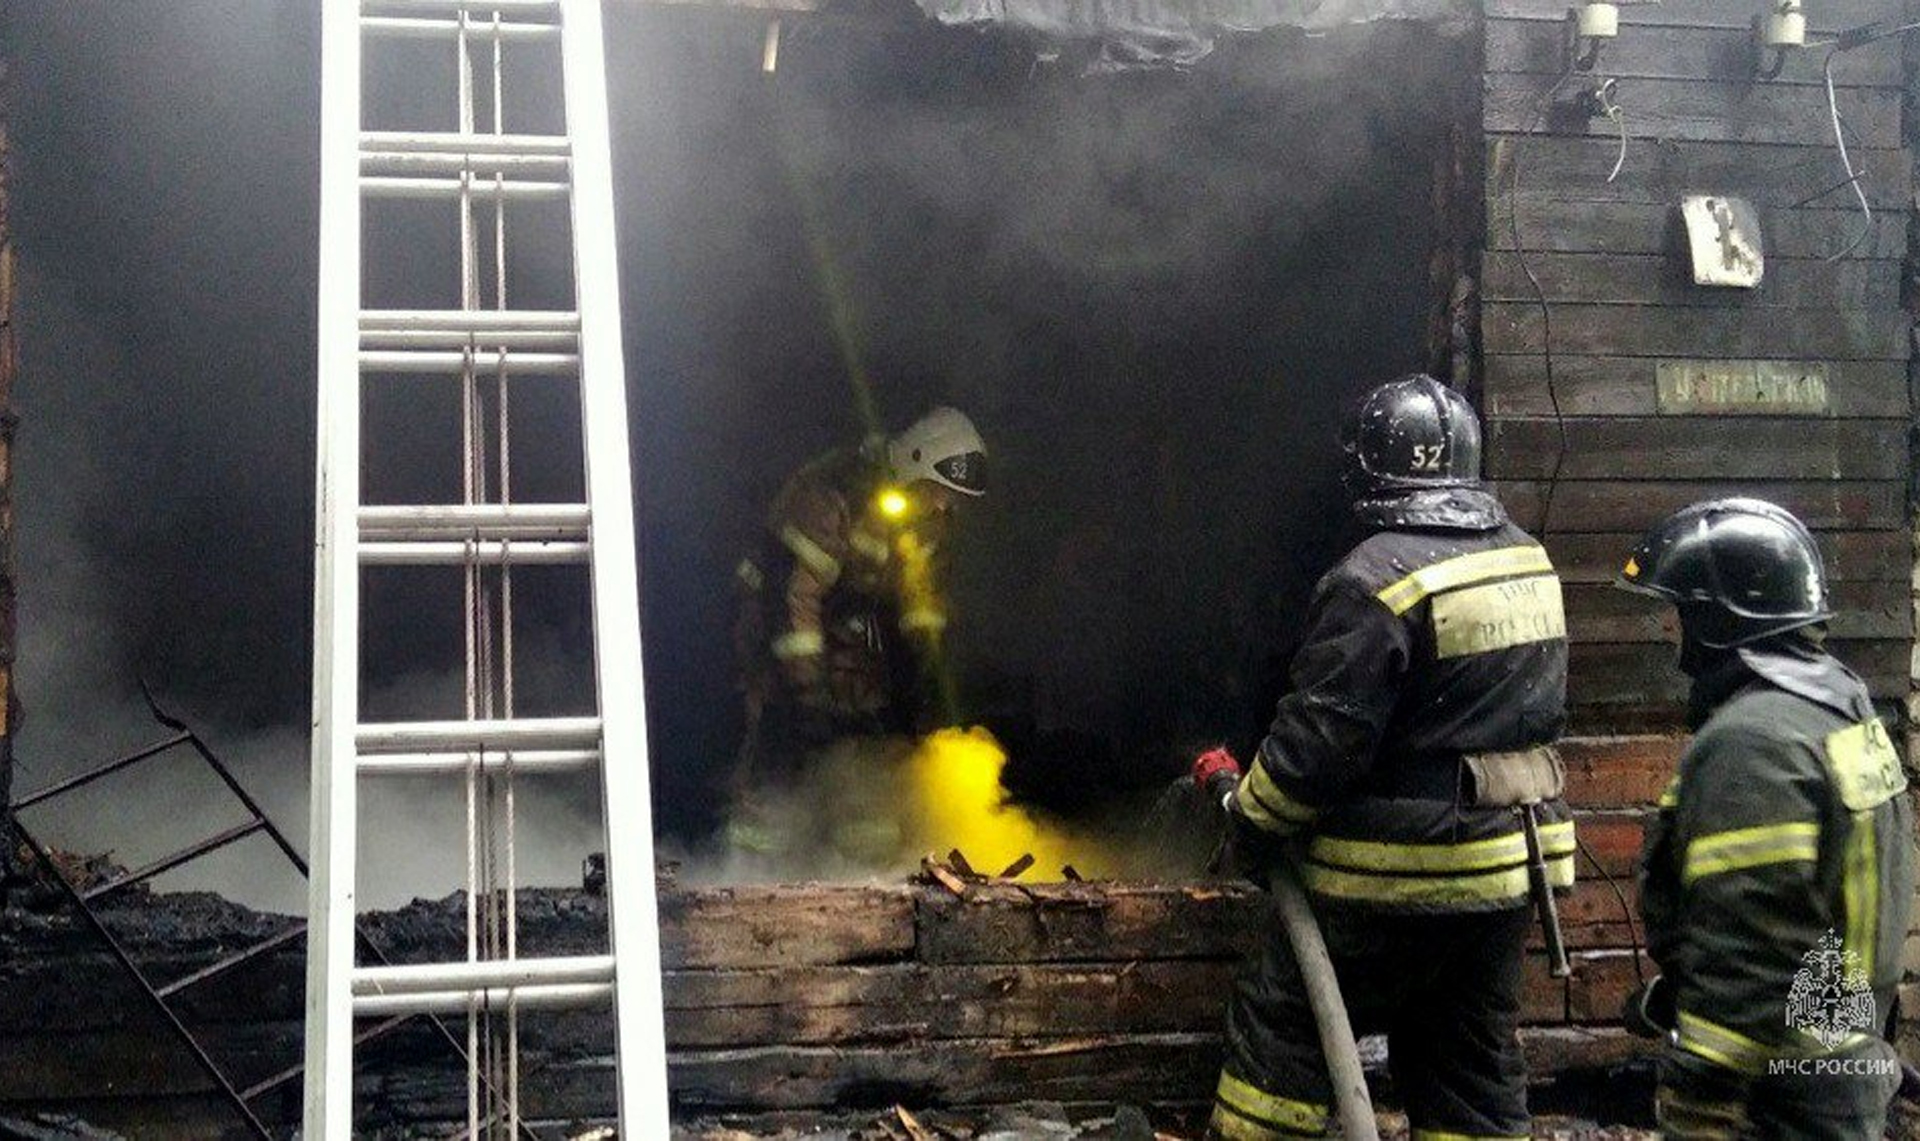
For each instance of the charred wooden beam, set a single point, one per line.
(9, 364)
(778, 997)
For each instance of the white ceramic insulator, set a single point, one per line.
(1787, 29)
(1600, 21)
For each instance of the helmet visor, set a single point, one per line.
(966, 471)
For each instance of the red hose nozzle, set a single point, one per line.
(1215, 768)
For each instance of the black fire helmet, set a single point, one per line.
(1738, 569)
(1412, 434)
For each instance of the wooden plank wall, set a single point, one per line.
(1608, 258)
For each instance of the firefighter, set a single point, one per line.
(841, 609)
(1424, 701)
(1776, 880)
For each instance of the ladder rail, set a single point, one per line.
(328, 1100)
(627, 802)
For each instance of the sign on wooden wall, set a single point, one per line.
(1774, 388)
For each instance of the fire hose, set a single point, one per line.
(1350, 1097)
(1353, 1104)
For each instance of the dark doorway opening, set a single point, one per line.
(1155, 291)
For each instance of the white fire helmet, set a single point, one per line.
(942, 446)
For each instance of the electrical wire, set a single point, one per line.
(1846, 161)
(1845, 42)
(1540, 292)
(1626, 908)
(1619, 116)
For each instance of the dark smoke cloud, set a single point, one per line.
(1152, 290)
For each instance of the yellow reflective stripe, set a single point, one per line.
(1271, 1110)
(749, 575)
(1744, 848)
(1471, 856)
(1862, 891)
(1465, 570)
(1721, 1046)
(1266, 805)
(799, 644)
(921, 618)
(1444, 1135)
(812, 555)
(872, 546)
(1230, 1126)
(1670, 795)
(1485, 887)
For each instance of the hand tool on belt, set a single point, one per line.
(1523, 780)
(1217, 772)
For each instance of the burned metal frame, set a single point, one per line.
(82, 900)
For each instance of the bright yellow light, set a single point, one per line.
(893, 503)
(958, 802)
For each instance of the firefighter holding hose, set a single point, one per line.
(841, 615)
(1777, 878)
(1409, 779)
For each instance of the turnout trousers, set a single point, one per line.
(1444, 988)
(1842, 1098)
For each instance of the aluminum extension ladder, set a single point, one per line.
(484, 535)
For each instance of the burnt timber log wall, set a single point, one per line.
(778, 998)
(1611, 262)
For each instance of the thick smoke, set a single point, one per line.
(1153, 292)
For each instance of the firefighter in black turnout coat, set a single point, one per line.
(1424, 701)
(1777, 878)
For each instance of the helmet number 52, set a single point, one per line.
(1427, 457)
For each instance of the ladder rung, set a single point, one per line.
(536, 762)
(461, 328)
(281, 1078)
(298, 1068)
(485, 974)
(554, 522)
(561, 997)
(168, 863)
(459, 340)
(530, 733)
(458, 143)
(401, 27)
(482, 165)
(437, 188)
(245, 955)
(454, 6)
(105, 770)
(521, 553)
(469, 320)
(439, 362)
